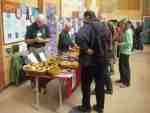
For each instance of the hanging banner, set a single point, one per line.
(33, 3)
(69, 6)
(52, 24)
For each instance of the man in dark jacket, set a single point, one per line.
(65, 42)
(37, 36)
(91, 38)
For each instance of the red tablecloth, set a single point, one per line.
(69, 88)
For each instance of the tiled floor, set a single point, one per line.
(135, 99)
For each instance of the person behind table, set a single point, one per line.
(91, 61)
(65, 42)
(125, 51)
(37, 36)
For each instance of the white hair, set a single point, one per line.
(41, 18)
(68, 24)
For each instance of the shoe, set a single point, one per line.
(44, 91)
(123, 85)
(98, 110)
(118, 81)
(83, 109)
(109, 92)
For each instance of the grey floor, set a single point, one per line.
(135, 99)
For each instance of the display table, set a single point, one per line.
(61, 77)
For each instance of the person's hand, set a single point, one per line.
(46, 40)
(30, 41)
(76, 46)
(120, 44)
(90, 51)
(71, 48)
(40, 40)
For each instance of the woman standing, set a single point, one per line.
(125, 51)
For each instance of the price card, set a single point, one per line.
(42, 56)
(32, 58)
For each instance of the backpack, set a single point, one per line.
(104, 52)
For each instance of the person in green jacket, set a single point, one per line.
(125, 51)
(16, 66)
(65, 42)
(37, 36)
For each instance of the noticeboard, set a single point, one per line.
(146, 28)
(15, 23)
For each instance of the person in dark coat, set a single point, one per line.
(92, 61)
(109, 42)
(37, 36)
(65, 42)
(139, 44)
(108, 80)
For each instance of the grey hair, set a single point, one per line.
(68, 24)
(41, 18)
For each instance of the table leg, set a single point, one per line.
(60, 93)
(37, 94)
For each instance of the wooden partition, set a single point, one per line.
(117, 8)
(9, 6)
(1, 50)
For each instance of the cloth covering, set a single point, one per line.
(16, 69)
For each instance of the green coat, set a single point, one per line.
(64, 42)
(127, 44)
(16, 68)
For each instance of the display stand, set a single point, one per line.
(61, 78)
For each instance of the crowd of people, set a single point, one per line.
(101, 43)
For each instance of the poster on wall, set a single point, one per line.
(9, 27)
(11, 24)
(69, 6)
(52, 24)
(13, 21)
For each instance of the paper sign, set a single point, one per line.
(42, 56)
(32, 58)
(65, 75)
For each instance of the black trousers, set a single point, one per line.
(107, 78)
(124, 68)
(88, 74)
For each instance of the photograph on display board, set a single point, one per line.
(11, 25)
(21, 19)
(18, 13)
